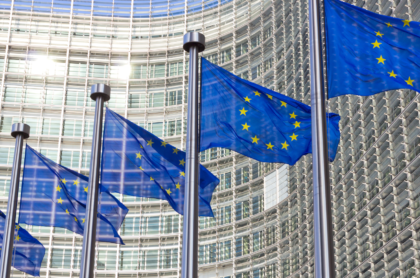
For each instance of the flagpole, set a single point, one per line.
(20, 131)
(100, 93)
(194, 43)
(323, 234)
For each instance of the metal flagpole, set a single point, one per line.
(20, 131)
(194, 43)
(323, 234)
(100, 93)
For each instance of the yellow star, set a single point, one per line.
(269, 146)
(67, 211)
(138, 155)
(406, 22)
(164, 144)
(243, 111)
(379, 34)
(283, 103)
(58, 188)
(293, 115)
(388, 24)
(83, 220)
(76, 182)
(294, 137)
(152, 179)
(247, 99)
(150, 142)
(17, 227)
(17, 238)
(75, 219)
(182, 174)
(376, 44)
(409, 81)
(381, 60)
(392, 74)
(141, 146)
(175, 151)
(296, 124)
(269, 96)
(141, 168)
(245, 126)
(86, 188)
(60, 201)
(178, 186)
(255, 139)
(168, 191)
(257, 93)
(63, 181)
(182, 162)
(284, 145)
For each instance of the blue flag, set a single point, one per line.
(254, 121)
(28, 252)
(53, 195)
(135, 162)
(368, 53)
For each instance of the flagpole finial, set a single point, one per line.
(20, 128)
(100, 90)
(194, 38)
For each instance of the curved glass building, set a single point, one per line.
(51, 52)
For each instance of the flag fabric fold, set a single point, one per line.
(368, 53)
(254, 121)
(28, 252)
(137, 163)
(53, 195)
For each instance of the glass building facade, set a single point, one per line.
(51, 52)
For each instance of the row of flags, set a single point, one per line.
(367, 53)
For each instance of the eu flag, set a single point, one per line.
(254, 121)
(135, 162)
(368, 53)
(28, 252)
(53, 195)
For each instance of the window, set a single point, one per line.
(107, 260)
(6, 155)
(257, 241)
(17, 65)
(77, 69)
(51, 154)
(75, 98)
(139, 71)
(54, 97)
(150, 225)
(7, 122)
(226, 56)
(86, 159)
(157, 71)
(175, 69)
(70, 159)
(4, 187)
(156, 128)
(225, 215)
(136, 101)
(242, 246)
(77, 258)
(169, 258)
(60, 258)
(207, 253)
(13, 94)
(98, 70)
(72, 128)
(225, 181)
(129, 260)
(33, 96)
(88, 131)
(173, 97)
(242, 210)
(131, 226)
(173, 128)
(156, 100)
(257, 204)
(51, 127)
(169, 224)
(225, 249)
